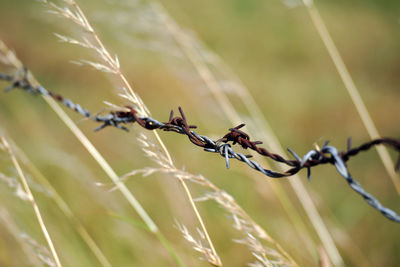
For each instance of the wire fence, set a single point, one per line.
(223, 146)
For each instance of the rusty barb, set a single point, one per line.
(223, 146)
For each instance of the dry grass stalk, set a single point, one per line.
(200, 245)
(242, 221)
(191, 49)
(31, 255)
(14, 184)
(41, 251)
(351, 89)
(9, 58)
(31, 199)
(50, 191)
(262, 256)
(111, 64)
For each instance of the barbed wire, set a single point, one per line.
(223, 146)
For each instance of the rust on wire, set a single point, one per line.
(223, 146)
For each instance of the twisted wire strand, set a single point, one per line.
(179, 124)
(342, 169)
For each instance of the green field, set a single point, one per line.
(176, 55)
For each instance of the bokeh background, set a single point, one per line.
(273, 47)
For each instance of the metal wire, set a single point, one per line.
(222, 146)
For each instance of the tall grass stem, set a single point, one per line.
(32, 201)
(60, 202)
(213, 85)
(351, 89)
(16, 63)
(111, 61)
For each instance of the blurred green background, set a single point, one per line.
(275, 50)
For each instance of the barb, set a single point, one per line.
(222, 146)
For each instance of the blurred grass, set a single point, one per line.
(277, 53)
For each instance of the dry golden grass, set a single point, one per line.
(278, 223)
